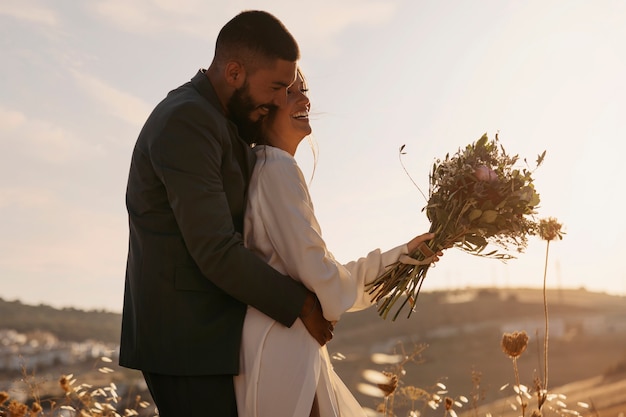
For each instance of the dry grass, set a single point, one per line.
(600, 396)
(456, 360)
(75, 399)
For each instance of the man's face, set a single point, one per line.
(240, 108)
(262, 90)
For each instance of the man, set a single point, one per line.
(189, 278)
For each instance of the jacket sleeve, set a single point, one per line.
(188, 156)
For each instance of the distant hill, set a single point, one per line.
(66, 324)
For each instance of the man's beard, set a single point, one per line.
(240, 106)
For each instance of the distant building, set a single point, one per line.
(568, 326)
(40, 350)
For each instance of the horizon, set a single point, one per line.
(453, 291)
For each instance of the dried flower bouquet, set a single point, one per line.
(476, 197)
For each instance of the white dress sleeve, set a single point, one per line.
(286, 213)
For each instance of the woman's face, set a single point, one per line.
(289, 123)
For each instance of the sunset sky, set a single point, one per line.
(78, 79)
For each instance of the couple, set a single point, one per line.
(230, 292)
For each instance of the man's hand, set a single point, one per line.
(314, 321)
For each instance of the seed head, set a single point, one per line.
(17, 409)
(3, 397)
(65, 384)
(390, 386)
(414, 393)
(514, 344)
(550, 229)
(35, 409)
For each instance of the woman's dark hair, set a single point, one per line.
(255, 38)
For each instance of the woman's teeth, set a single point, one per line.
(301, 115)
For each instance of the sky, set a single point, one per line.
(78, 79)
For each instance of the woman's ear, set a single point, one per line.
(235, 74)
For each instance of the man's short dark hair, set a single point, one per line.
(255, 38)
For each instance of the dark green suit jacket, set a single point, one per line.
(188, 276)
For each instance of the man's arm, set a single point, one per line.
(188, 157)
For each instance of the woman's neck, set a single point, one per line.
(288, 145)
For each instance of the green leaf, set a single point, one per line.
(474, 214)
(540, 158)
(534, 201)
(489, 216)
(476, 240)
(482, 142)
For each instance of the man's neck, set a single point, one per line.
(222, 90)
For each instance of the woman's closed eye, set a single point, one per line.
(302, 90)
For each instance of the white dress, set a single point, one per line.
(283, 368)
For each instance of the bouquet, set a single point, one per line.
(476, 197)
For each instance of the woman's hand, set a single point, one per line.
(417, 241)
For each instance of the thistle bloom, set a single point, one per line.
(514, 344)
(414, 393)
(35, 409)
(65, 384)
(17, 409)
(390, 386)
(550, 229)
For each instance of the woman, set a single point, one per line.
(284, 371)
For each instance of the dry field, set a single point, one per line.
(462, 336)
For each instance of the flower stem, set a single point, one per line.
(545, 313)
(519, 387)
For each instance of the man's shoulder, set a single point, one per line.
(185, 102)
(188, 96)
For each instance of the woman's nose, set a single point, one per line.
(302, 97)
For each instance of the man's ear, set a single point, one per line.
(235, 74)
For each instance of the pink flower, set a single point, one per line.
(484, 173)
